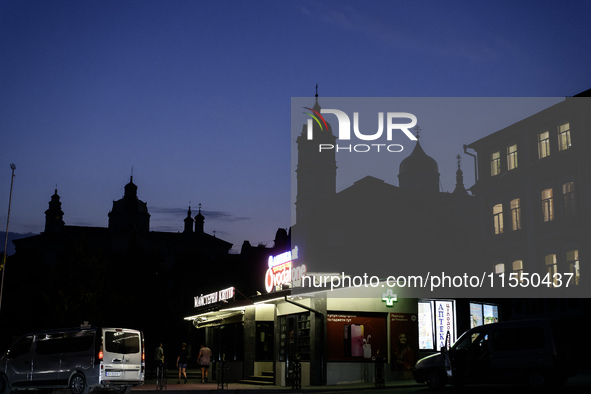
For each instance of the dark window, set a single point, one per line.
(519, 338)
(122, 342)
(22, 346)
(69, 342)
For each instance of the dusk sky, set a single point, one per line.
(196, 95)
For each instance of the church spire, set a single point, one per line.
(188, 222)
(460, 189)
(199, 221)
(130, 189)
(129, 214)
(54, 216)
(316, 105)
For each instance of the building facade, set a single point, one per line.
(533, 192)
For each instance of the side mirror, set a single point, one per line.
(443, 349)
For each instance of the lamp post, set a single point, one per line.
(3, 267)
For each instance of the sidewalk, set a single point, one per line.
(150, 387)
(194, 384)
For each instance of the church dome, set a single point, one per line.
(419, 171)
(418, 162)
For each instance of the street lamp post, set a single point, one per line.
(3, 267)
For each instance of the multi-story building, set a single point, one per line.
(533, 192)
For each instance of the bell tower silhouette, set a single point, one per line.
(54, 216)
(316, 170)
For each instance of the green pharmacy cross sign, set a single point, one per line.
(389, 297)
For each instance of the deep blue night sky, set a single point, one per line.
(195, 95)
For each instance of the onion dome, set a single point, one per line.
(419, 171)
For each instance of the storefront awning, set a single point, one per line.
(217, 318)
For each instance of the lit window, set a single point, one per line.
(499, 268)
(564, 141)
(547, 205)
(495, 163)
(512, 157)
(543, 144)
(517, 267)
(568, 195)
(515, 214)
(552, 267)
(572, 260)
(498, 218)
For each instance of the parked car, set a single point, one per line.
(539, 352)
(81, 359)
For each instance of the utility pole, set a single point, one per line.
(3, 267)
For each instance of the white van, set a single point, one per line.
(539, 352)
(81, 359)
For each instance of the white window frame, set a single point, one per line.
(564, 138)
(512, 162)
(543, 144)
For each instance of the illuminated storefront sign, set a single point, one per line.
(444, 322)
(436, 319)
(281, 270)
(212, 298)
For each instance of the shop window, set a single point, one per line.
(498, 218)
(568, 196)
(436, 319)
(564, 141)
(360, 336)
(495, 163)
(512, 157)
(517, 268)
(551, 267)
(547, 205)
(294, 341)
(515, 214)
(543, 144)
(481, 314)
(426, 339)
(572, 261)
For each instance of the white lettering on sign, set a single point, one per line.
(283, 274)
(283, 257)
(212, 298)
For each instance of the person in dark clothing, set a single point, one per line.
(181, 362)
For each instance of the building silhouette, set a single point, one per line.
(122, 275)
(376, 227)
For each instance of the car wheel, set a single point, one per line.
(122, 390)
(537, 379)
(435, 379)
(78, 384)
(4, 388)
